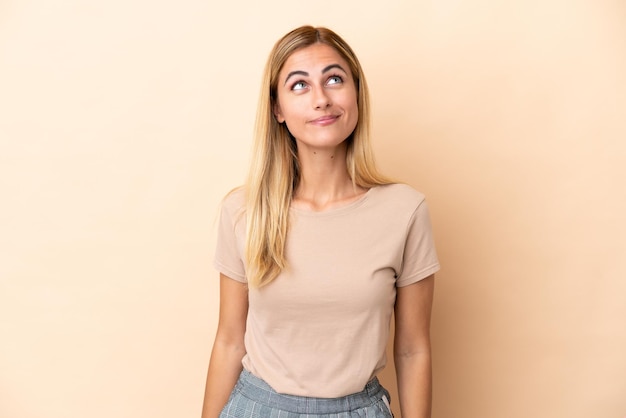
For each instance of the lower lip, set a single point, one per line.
(324, 122)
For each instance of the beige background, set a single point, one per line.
(123, 123)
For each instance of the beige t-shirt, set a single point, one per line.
(321, 327)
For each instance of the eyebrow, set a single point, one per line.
(304, 73)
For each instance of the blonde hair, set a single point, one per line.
(274, 171)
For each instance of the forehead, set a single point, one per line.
(313, 59)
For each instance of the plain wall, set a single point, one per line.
(123, 123)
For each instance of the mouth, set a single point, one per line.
(324, 120)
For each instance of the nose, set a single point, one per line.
(321, 99)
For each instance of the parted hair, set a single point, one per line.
(274, 170)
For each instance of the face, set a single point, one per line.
(317, 97)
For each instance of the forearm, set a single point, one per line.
(414, 374)
(224, 369)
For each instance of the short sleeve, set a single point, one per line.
(419, 259)
(230, 240)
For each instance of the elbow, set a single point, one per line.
(411, 344)
(412, 351)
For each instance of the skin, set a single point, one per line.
(412, 354)
(228, 348)
(317, 100)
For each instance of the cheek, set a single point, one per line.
(353, 110)
(354, 119)
(290, 109)
(293, 118)
(348, 102)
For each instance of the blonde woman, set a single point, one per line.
(316, 251)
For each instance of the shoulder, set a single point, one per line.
(235, 198)
(399, 194)
(234, 203)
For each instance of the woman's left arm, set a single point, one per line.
(412, 347)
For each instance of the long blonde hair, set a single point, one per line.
(274, 171)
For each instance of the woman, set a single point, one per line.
(316, 251)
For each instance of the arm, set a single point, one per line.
(228, 348)
(412, 348)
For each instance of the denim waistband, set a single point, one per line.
(257, 389)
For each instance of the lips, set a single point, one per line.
(324, 120)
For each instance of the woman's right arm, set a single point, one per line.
(228, 348)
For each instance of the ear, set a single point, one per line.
(277, 113)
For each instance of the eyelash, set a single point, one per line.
(337, 76)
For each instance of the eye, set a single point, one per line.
(334, 79)
(299, 85)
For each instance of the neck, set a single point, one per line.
(324, 180)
